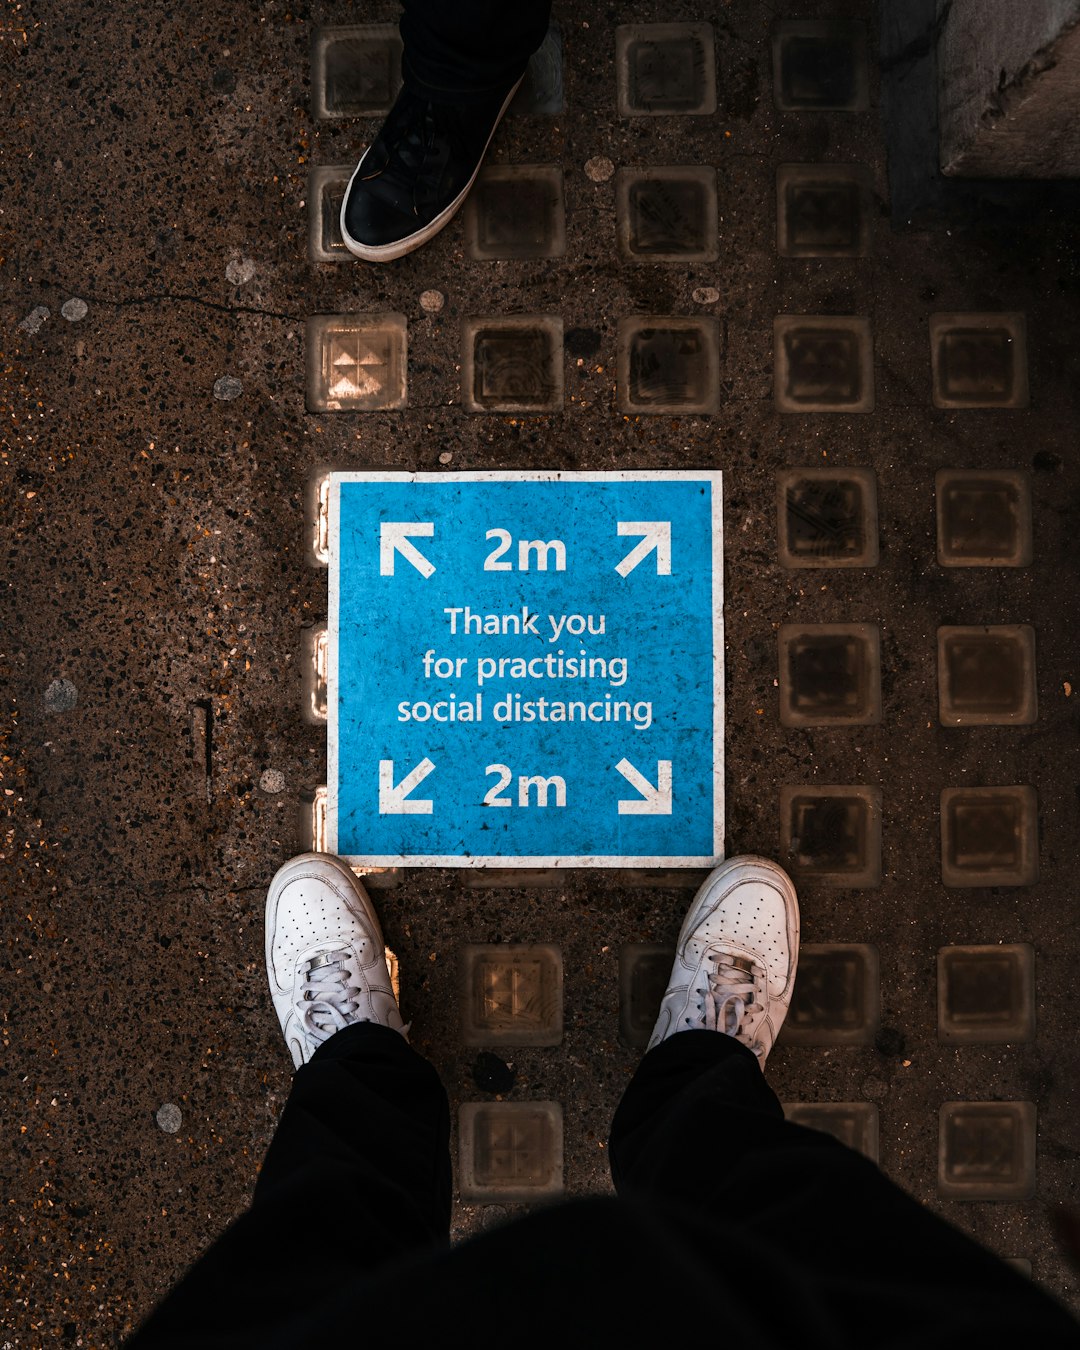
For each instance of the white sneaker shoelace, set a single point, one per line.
(329, 1001)
(731, 998)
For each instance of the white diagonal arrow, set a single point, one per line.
(394, 538)
(657, 536)
(392, 799)
(657, 800)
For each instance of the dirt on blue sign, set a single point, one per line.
(526, 669)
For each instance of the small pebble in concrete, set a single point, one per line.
(34, 320)
(272, 780)
(445, 457)
(599, 169)
(240, 271)
(74, 309)
(706, 295)
(169, 1118)
(227, 387)
(432, 301)
(60, 697)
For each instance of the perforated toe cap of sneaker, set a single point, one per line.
(752, 915)
(310, 911)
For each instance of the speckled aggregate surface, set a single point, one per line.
(154, 449)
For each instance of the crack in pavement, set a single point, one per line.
(179, 298)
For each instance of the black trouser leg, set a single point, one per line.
(694, 1080)
(701, 1136)
(462, 51)
(357, 1176)
(729, 1215)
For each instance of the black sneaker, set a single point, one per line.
(416, 173)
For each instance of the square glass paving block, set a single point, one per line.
(510, 1151)
(668, 365)
(513, 364)
(987, 994)
(512, 995)
(665, 68)
(644, 971)
(355, 70)
(822, 211)
(314, 667)
(667, 215)
(820, 65)
(355, 362)
(837, 996)
(830, 674)
(827, 517)
(979, 360)
(986, 1151)
(832, 834)
(516, 211)
(317, 517)
(853, 1123)
(326, 192)
(983, 518)
(986, 676)
(823, 363)
(989, 836)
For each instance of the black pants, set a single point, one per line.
(462, 51)
(728, 1220)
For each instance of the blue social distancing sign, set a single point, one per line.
(526, 669)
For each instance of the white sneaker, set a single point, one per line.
(736, 957)
(324, 954)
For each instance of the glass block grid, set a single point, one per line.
(830, 674)
(823, 211)
(832, 834)
(820, 66)
(665, 68)
(512, 995)
(512, 364)
(989, 836)
(853, 1123)
(986, 676)
(987, 994)
(516, 211)
(979, 360)
(667, 214)
(510, 1152)
(355, 362)
(644, 971)
(837, 996)
(822, 363)
(986, 1151)
(827, 517)
(668, 365)
(355, 70)
(983, 517)
(326, 192)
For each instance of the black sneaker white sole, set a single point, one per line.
(400, 247)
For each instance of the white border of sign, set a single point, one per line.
(715, 477)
